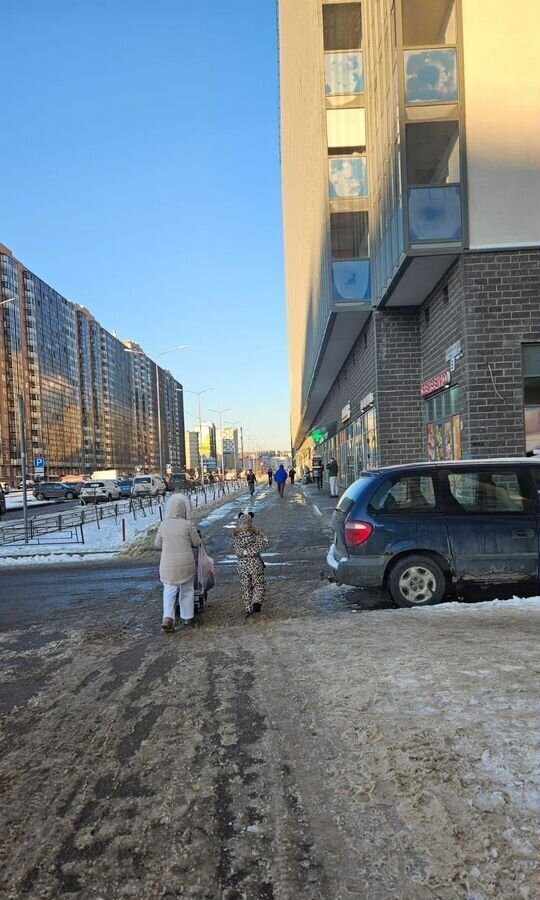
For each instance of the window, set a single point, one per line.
(342, 23)
(405, 494)
(426, 24)
(435, 214)
(347, 176)
(531, 396)
(433, 153)
(350, 235)
(346, 127)
(489, 492)
(351, 280)
(430, 76)
(344, 73)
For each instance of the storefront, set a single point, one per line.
(442, 418)
(531, 397)
(355, 446)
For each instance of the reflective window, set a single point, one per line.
(350, 235)
(405, 494)
(426, 24)
(351, 280)
(435, 214)
(489, 492)
(433, 153)
(344, 73)
(342, 24)
(430, 76)
(531, 396)
(348, 176)
(346, 127)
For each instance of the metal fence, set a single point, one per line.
(74, 519)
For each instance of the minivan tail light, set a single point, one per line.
(357, 533)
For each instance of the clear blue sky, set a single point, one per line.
(139, 175)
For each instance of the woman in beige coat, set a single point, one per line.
(176, 538)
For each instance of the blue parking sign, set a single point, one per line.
(39, 462)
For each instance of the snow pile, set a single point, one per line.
(532, 603)
(98, 541)
(14, 500)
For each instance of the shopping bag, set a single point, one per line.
(206, 573)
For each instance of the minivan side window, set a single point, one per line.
(490, 492)
(404, 494)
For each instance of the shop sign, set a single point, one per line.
(436, 383)
(454, 351)
(367, 401)
(346, 412)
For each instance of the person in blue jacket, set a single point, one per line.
(280, 478)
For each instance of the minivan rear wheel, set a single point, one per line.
(416, 581)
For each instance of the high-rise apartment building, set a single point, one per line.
(411, 193)
(230, 449)
(91, 400)
(192, 450)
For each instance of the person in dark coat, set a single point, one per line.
(270, 474)
(332, 469)
(292, 473)
(251, 480)
(280, 478)
(318, 473)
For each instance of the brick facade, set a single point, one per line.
(489, 303)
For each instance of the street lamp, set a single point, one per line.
(220, 413)
(154, 360)
(198, 394)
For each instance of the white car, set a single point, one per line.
(148, 485)
(99, 492)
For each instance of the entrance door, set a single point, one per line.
(491, 523)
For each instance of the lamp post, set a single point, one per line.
(198, 394)
(22, 441)
(220, 414)
(154, 360)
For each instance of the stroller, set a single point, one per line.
(204, 578)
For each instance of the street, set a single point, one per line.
(321, 750)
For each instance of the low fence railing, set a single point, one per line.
(94, 513)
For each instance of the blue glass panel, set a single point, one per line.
(435, 214)
(348, 176)
(351, 279)
(344, 73)
(430, 75)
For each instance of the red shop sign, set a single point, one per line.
(435, 384)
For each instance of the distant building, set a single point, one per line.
(411, 195)
(208, 444)
(90, 399)
(192, 450)
(230, 449)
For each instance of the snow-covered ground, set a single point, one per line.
(14, 500)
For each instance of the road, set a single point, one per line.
(35, 509)
(318, 751)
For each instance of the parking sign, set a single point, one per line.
(39, 462)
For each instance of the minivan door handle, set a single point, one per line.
(524, 533)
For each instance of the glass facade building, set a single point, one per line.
(89, 404)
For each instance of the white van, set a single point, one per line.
(99, 491)
(151, 485)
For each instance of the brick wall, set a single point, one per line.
(398, 390)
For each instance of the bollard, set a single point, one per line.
(97, 517)
(123, 530)
(160, 512)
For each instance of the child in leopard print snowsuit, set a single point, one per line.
(248, 544)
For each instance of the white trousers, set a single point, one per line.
(333, 485)
(185, 590)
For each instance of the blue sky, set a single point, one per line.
(139, 175)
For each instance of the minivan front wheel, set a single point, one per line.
(417, 581)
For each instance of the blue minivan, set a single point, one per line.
(426, 530)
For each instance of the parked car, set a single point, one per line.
(431, 529)
(125, 486)
(4, 486)
(99, 491)
(56, 490)
(29, 483)
(2, 502)
(151, 485)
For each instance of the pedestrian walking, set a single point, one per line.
(280, 478)
(176, 537)
(270, 474)
(292, 473)
(318, 473)
(252, 481)
(248, 544)
(332, 468)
